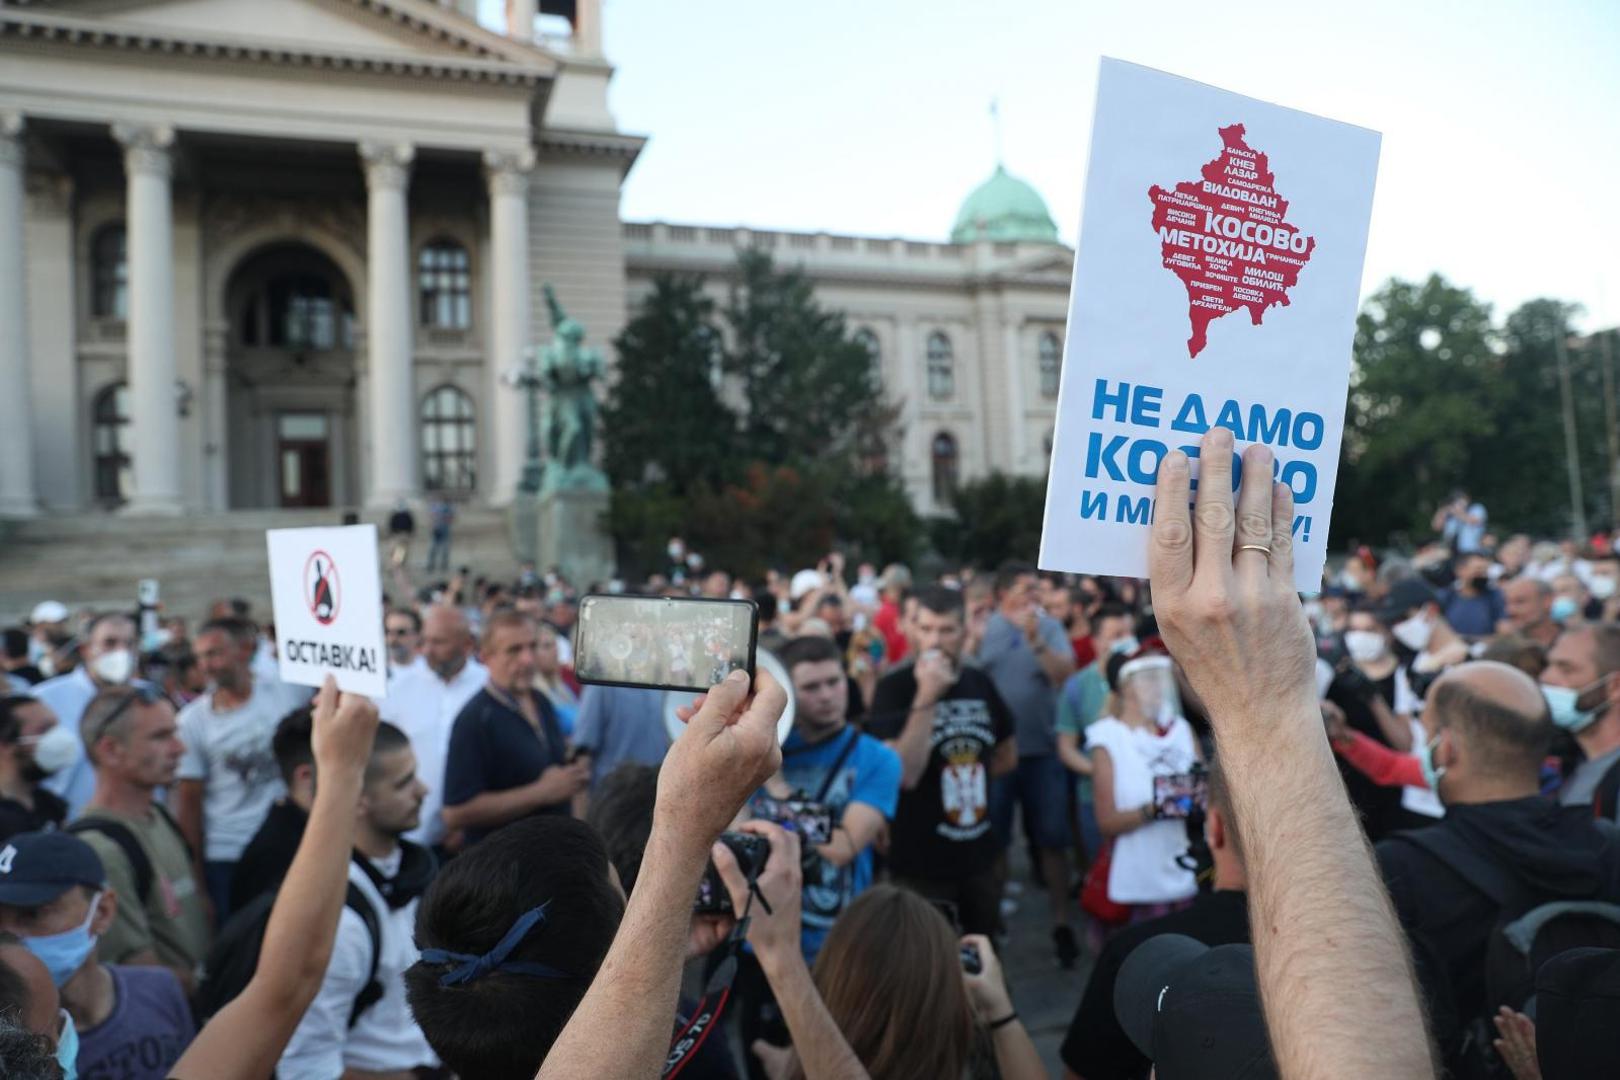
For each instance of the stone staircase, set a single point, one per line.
(96, 559)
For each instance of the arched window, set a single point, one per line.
(444, 285)
(945, 468)
(449, 441)
(941, 367)
(1051, 360)
(298, 311)
(109, 273)
(109, 416)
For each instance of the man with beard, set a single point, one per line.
(26, 726)
(228, 777)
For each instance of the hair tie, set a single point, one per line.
(471, 968)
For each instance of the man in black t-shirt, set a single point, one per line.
(25, 806)
(1096, 1047)
(953, 733)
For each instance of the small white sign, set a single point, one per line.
(327, 591)
(1215, 284)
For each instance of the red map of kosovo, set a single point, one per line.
(1227, 237)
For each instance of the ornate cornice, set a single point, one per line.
(592, 143)
(388, 165)
(103, 33)
(146, 148)
(508, 171)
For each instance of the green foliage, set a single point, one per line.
(997, 518)
(755, 432)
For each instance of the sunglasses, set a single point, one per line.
(145, 693)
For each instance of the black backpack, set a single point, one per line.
(140, 864)
(1528, 931)
(234, 955)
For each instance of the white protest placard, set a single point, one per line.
(1216, 283)
(327, 592)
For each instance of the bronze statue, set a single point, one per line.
(568, 371)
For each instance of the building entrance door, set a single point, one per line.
(304, 457)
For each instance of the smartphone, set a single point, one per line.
(1178, 795)
(663, 643)
(146, 592)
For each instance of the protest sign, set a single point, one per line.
(325, 586)
(1215, 284)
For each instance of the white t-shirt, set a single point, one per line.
(1143, 869)
(230, 753)
(425, 707)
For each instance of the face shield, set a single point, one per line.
(1149, 683)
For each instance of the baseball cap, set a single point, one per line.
(1578, 1014)
(1193, 1010)
(48, 611)
(1404, 595)
(804, 582)
(37, 867)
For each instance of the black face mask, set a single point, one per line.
(1480, 583)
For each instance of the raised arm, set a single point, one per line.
(728, 749)
(1330, 959)
(246, 1038)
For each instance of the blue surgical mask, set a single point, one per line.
(65, 953)
(1564, 704)
(1431, 773)
(1126, 645)
(67, 1047)
(1564, 609)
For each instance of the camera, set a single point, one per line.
(810, 819)
(751, 852)
(972, 963)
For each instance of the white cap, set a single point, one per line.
(1150, 662)
(49, 611)
(805, 581)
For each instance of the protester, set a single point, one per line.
(401, 527)
(555, 680)
(1096, 1047)
(1194, 1011)
(32, 747)
(620, 725)
(1473, 606)
(1584, 700)
(133, 741)
(15, 662)
(359, 1021)
(953, 733)
(425, 702)
(441, 518)
(893, 587)
(37, 1037)
(1028, 657)
(1529, 610)
(1462, 523)
(507, 756)
(228, 777)
(402, 632)
(1082, 702)
(1501, 849)
(270, 853)
(108, 655)
(1411, 611)
(130, 1022)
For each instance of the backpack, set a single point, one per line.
(140, 864)
(234, 955)
(1527, 933)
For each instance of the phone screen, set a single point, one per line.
(663, 643)
(1179, 794)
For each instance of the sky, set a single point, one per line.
(1500, 166)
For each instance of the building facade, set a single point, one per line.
(284, 253)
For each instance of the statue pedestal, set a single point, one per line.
(563, 529)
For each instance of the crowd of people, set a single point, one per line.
(1370, 834)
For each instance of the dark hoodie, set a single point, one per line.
(1555, 852)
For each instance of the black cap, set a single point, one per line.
(1578, 1014)
(1405, 595)
(37, 867)
(1193, 1010)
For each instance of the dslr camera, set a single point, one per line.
(751, 852)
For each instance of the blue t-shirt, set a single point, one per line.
(621, 724)
(145, 1034)
(1474, 616)
(870, 774)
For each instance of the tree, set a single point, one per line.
(995, 518)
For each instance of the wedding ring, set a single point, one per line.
(1256, 547)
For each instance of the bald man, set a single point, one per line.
(424, 702)
(1488, 728)
(1529, 611)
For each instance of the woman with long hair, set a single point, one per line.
(899, 982)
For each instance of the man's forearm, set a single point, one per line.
(1057, 666)
(913, 743)
(643, 965)
(1328, 951)
(822, 1050)
(493, 808)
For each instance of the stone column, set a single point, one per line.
(520, 16)
(508, 176)
(16, 432)
(392, 423)
(150, 341)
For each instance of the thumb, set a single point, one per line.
(720, 705)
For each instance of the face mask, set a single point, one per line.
(114, 668)
(1564, 704)
(67, 1047)
(1564, 609)
(46, 665)
(1431, 774)
(1365, 646)
(1480, 583)
(1127, 645)
(1603, 587)
(65, 953)
(53, 751)
(1414, 633)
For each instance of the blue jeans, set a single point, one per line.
(1040, 785)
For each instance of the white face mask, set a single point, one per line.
(1602, 587)
(1414, 633)
(113, 668)
(1365, 646)
(55, 750)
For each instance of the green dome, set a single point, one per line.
(1004, 208)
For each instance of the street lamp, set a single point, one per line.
(526, 377)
